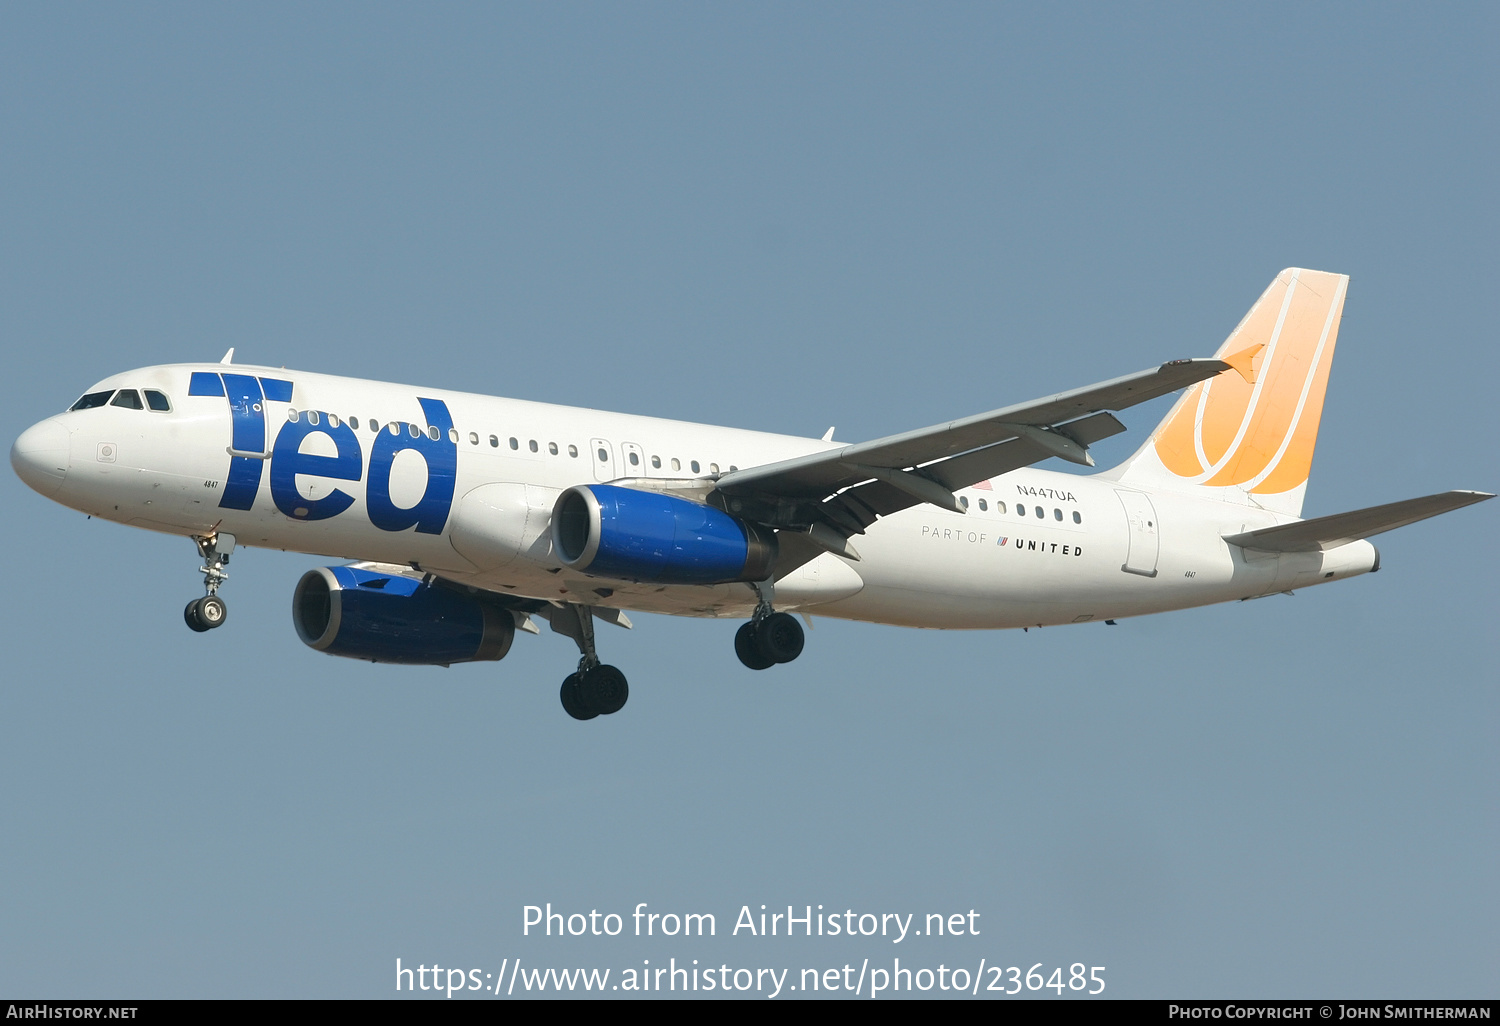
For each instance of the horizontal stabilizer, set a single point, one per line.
(1341, 528)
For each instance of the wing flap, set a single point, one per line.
(1089, 430)
(1330, 532)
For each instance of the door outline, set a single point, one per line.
(604, 469)
(1144, 533)
(627, 468)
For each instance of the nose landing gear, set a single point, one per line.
(208, 612)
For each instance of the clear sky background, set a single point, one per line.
(778, 217)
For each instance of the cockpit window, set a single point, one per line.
(92, 400)
(158, 401)
(129, 398)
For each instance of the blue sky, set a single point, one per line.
(778, 217)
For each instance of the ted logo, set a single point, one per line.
(248, 395)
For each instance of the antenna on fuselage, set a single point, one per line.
(229, 356)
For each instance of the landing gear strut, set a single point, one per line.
(769, 637)
(596, 689)
(208, 612)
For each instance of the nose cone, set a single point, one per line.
(40, 456)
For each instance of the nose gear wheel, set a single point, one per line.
(208, 612)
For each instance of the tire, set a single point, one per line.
(604, 690)
(747, 647)
(190, 617)
(571, 702)
(780, 637)
(212, 611)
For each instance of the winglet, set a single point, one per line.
(1244, 361)
(229, 356)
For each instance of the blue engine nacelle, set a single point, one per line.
(393, 618)
(635, 535)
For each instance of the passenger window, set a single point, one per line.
(1020, 511)
(333, 420)
(92, 400)
(999, 507)
(676, 463)
(694, 465)
(473, 438)
(573, 451)
(1041, 514)
(713, 468)
(395, 427)
(532, 444)
(733, 468)
(603, 455)
(1076, 518)
(433, 433)
(494, 441)
(312, 416)
(158, 401)
(452, 435)
(129, 399)
(354, 423)
(552, 448)
(656, 462)
(413, 430)
(514, 444)
(963, 500)
(1057, 514)
(983, 505)
(635, 460)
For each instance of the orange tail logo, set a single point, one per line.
(1257, 428)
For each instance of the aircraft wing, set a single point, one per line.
(850, 487)
(1341, 528)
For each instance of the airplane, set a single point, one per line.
(470, 517)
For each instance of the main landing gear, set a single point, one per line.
(596, 689)
(769, 637)
(208, 612)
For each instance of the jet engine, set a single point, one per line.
(396, 618)
(635, 535)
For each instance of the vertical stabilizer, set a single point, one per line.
(1247, 435)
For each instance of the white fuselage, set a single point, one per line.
(1043, 548)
